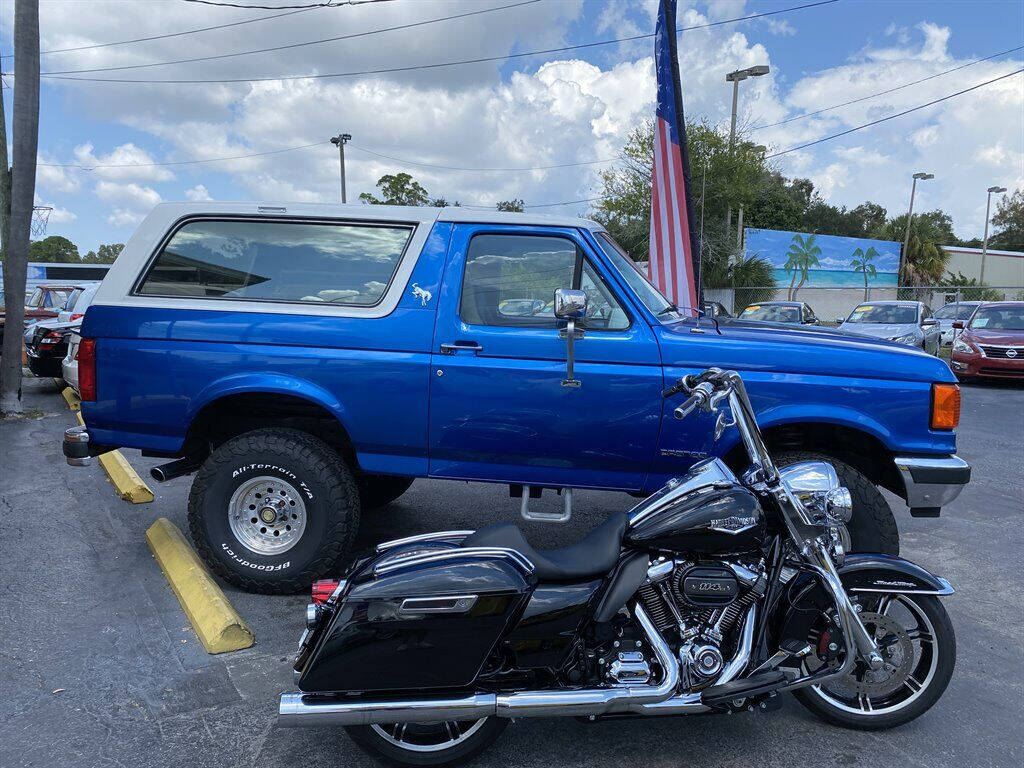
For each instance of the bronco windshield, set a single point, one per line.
(649, 295)
(997, 318)
(896, 314)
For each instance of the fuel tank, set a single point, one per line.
(707, 511)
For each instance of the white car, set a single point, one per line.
(955, 310)
(69, 368)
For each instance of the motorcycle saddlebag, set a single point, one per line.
(418, 618)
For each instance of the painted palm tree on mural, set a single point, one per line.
(803, 254)
(861, 262)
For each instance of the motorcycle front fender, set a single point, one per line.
(869, 572)
(862, 573)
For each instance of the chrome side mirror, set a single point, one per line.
(571, 306)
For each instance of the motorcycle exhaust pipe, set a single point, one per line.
(298, 709)
(183, 466)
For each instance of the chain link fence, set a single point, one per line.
(833, 304)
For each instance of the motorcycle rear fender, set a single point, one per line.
(862, 573)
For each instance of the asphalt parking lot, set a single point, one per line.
(100, 665)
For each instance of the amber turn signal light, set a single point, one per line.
(945, 406)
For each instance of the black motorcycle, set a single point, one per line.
(716, 594)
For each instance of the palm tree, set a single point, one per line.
(862, 263)
(803, 254)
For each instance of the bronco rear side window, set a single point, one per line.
(285, 261)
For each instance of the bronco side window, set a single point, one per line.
(511, 280)
(285, 261)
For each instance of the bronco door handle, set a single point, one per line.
(461, 346)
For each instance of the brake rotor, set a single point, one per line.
(897, 656)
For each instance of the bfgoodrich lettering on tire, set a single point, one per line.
(272, 510)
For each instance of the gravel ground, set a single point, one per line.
(101, 667)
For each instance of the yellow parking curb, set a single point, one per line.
(126, 480)
(217, 623)
(73, 401)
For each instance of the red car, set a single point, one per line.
(991, 342)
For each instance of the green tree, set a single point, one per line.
(970, 288)
(803, 254)
(861, 262)
(105, 254)
(1009, 223)
(924, 263)
(515, 205)
(397, 189)
(54, 249)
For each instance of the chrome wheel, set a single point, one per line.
(906, 639)
(428, 737)
(267, 515)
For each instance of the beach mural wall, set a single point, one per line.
(803, 260)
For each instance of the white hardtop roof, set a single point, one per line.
(403, 213)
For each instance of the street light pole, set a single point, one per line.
(984, 243)
(341, 140)
(735, 77)
(910, 215)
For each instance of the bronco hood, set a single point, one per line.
(746, 346)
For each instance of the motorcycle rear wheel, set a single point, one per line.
(919, 665)
(427, 744)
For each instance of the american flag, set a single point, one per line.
(674, 264)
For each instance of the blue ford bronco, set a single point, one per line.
(308, 362)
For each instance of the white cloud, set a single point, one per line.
(126, 161)
(57, 214)
(55, 178)
(783, 27)
(120, 218)
(197, 194)
(133, 195)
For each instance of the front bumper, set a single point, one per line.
(931, 482)
(969, 365)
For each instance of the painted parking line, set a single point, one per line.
(129, 485)
(218, 625)
(72, 399)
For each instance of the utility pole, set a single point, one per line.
(25, 135)
(341, 140)
(984, 243)
(735, 77)
(910, 215)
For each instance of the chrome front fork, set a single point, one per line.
(852, 626)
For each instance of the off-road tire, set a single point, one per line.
(376, 746)
(377, 491)
(331, 500)
(873, 526)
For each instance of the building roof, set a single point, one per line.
(978, 251)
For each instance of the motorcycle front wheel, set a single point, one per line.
(918, 646)
(427, 744)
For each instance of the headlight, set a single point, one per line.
(907, 338)
(962, 346)
(817, 486)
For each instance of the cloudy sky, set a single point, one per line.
(559, 108)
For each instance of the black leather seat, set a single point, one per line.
(595, 555)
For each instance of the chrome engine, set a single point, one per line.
(697, 608)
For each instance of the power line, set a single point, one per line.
(169, 34)
(514, 168)
(308, 6)
(894, 116)
(295, 45)
(882, 93)
(83, 167)
(412, 67)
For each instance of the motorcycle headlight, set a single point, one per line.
(817, 486)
